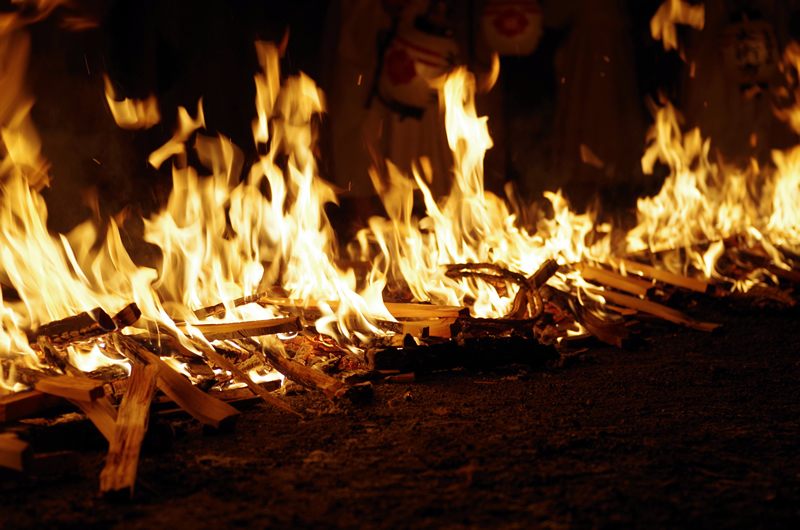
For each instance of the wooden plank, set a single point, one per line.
(72, 388)
(197, 403)
(14, 453)
(397, 310)
(660, 275)
(247, 328)
(22, 404)
(628, 284)
(102, 414)
(652, 308)
(119, 474)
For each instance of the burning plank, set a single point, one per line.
(119, 474)
(397, 310)
(244, 329)
(197, 403)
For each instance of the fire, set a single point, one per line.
(224, 238)
(132, 113)
(672, 12)
(471, 225)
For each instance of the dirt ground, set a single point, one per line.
(687, 430)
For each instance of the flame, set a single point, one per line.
(672, 12)
(471, 225)
(132, 113)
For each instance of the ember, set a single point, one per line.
(250, 296)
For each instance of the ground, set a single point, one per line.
(685, 430)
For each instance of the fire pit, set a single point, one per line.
(236, 351)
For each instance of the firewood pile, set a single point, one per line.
(607, 306)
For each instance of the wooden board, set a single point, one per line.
(119, 474)
(247, 328)
(22, 404)
(397, 310)
(72, 388)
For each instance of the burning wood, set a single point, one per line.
(251, 328)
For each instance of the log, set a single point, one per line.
(628, 284)
(397, 310)
(659, 274)
(652, 308)
(14, 453)
(197, 403)
(72, 388)
(244, 329)
(22, 404)
(119, 474)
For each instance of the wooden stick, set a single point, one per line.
(22, 404)
(72, 388)
(14, 453)
(119, 473)
(629, 284)
(659, 274)
(646, 306)
(197, 403)
(244, 329)
(397, 310)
